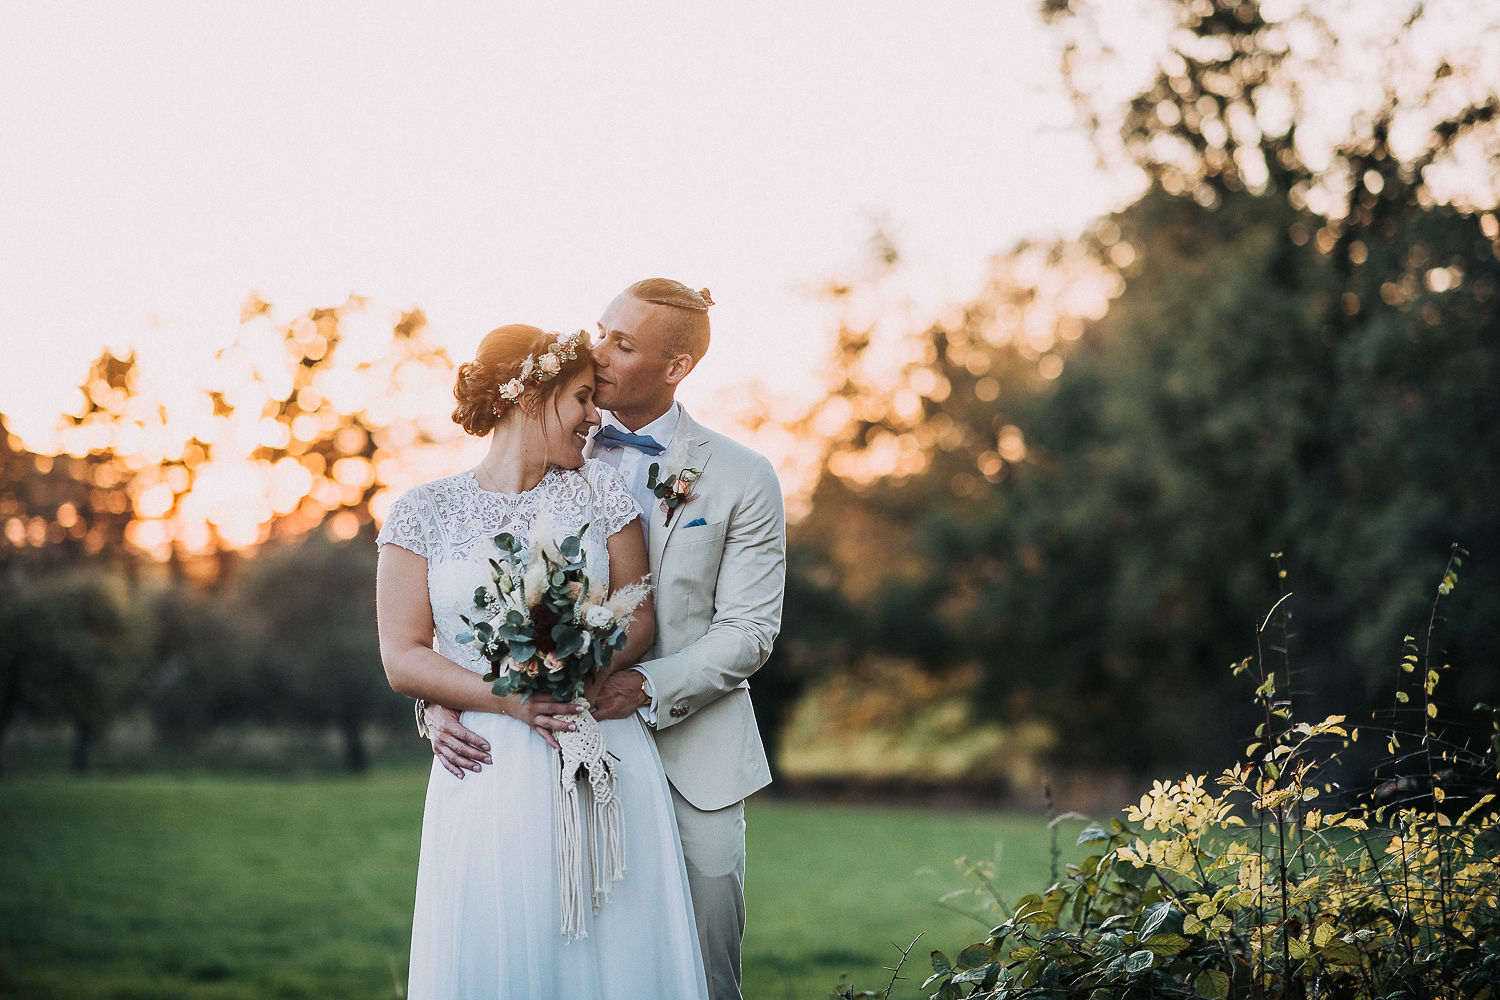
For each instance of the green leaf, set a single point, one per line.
(651, 475)
(974, 956)
(1156, 919)
(570, 644)
(1139, 961)
(940, 963)
(1213, 984)
(521, 652)
(978, 974)
(1092, 835)
(1341, 953)
(1166, 945)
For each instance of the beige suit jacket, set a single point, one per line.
(718, 589)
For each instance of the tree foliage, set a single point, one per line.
(313, 604)
(1076, 481)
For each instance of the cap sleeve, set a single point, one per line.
(409, 524)
(616, 506)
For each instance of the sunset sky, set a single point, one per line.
(493, 163)
(496, 162)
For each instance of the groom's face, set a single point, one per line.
(630, 362)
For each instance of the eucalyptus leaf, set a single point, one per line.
(570, 644)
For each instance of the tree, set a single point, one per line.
(1079, 498)
(313, 602)
(80, 652)
(206, 671)
(817, 629)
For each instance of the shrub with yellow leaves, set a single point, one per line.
(1251, 886)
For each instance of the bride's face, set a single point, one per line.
(567, 418)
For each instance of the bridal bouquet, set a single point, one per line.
(541, 624)
(544, 627)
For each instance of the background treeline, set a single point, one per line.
(288, 645)
(1056, 503)
(1073, 503)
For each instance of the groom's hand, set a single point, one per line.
(620, 695)
(456, 747)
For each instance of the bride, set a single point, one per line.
(488, 912)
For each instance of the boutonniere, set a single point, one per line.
(675, 490)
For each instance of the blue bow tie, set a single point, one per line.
(610, 436)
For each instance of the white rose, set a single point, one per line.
(598, 616)
(550, 363)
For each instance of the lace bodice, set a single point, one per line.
(452, 523)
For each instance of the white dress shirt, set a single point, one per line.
(634, 467)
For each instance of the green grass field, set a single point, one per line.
(206, 887)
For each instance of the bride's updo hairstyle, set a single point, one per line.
(501, 354)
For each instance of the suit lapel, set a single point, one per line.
(689, 450)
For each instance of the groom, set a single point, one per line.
(718, 562)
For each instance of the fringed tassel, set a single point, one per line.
(570, 848)
(583, 750)
(606, 831)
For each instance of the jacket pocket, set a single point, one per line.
(690, 569)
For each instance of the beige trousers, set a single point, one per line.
(713, 846)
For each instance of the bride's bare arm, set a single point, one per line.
(622, 691)
(628, 565)
(413, 668)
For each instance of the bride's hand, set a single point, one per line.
(548, 716)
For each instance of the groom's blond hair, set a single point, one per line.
(686, 318)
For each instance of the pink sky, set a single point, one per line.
(493, 164)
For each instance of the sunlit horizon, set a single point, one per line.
(487, 166)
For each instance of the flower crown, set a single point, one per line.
(540, 367)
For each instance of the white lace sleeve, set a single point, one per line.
(409, 524)
(616, 507)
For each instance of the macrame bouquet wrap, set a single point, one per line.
(545, 628)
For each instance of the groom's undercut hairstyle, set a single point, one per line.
(686, 323)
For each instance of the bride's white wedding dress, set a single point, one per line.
(488, 914)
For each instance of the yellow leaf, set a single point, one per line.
(1432, 710)
(1323, 934)
(1402, 697)
(1438, 794)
